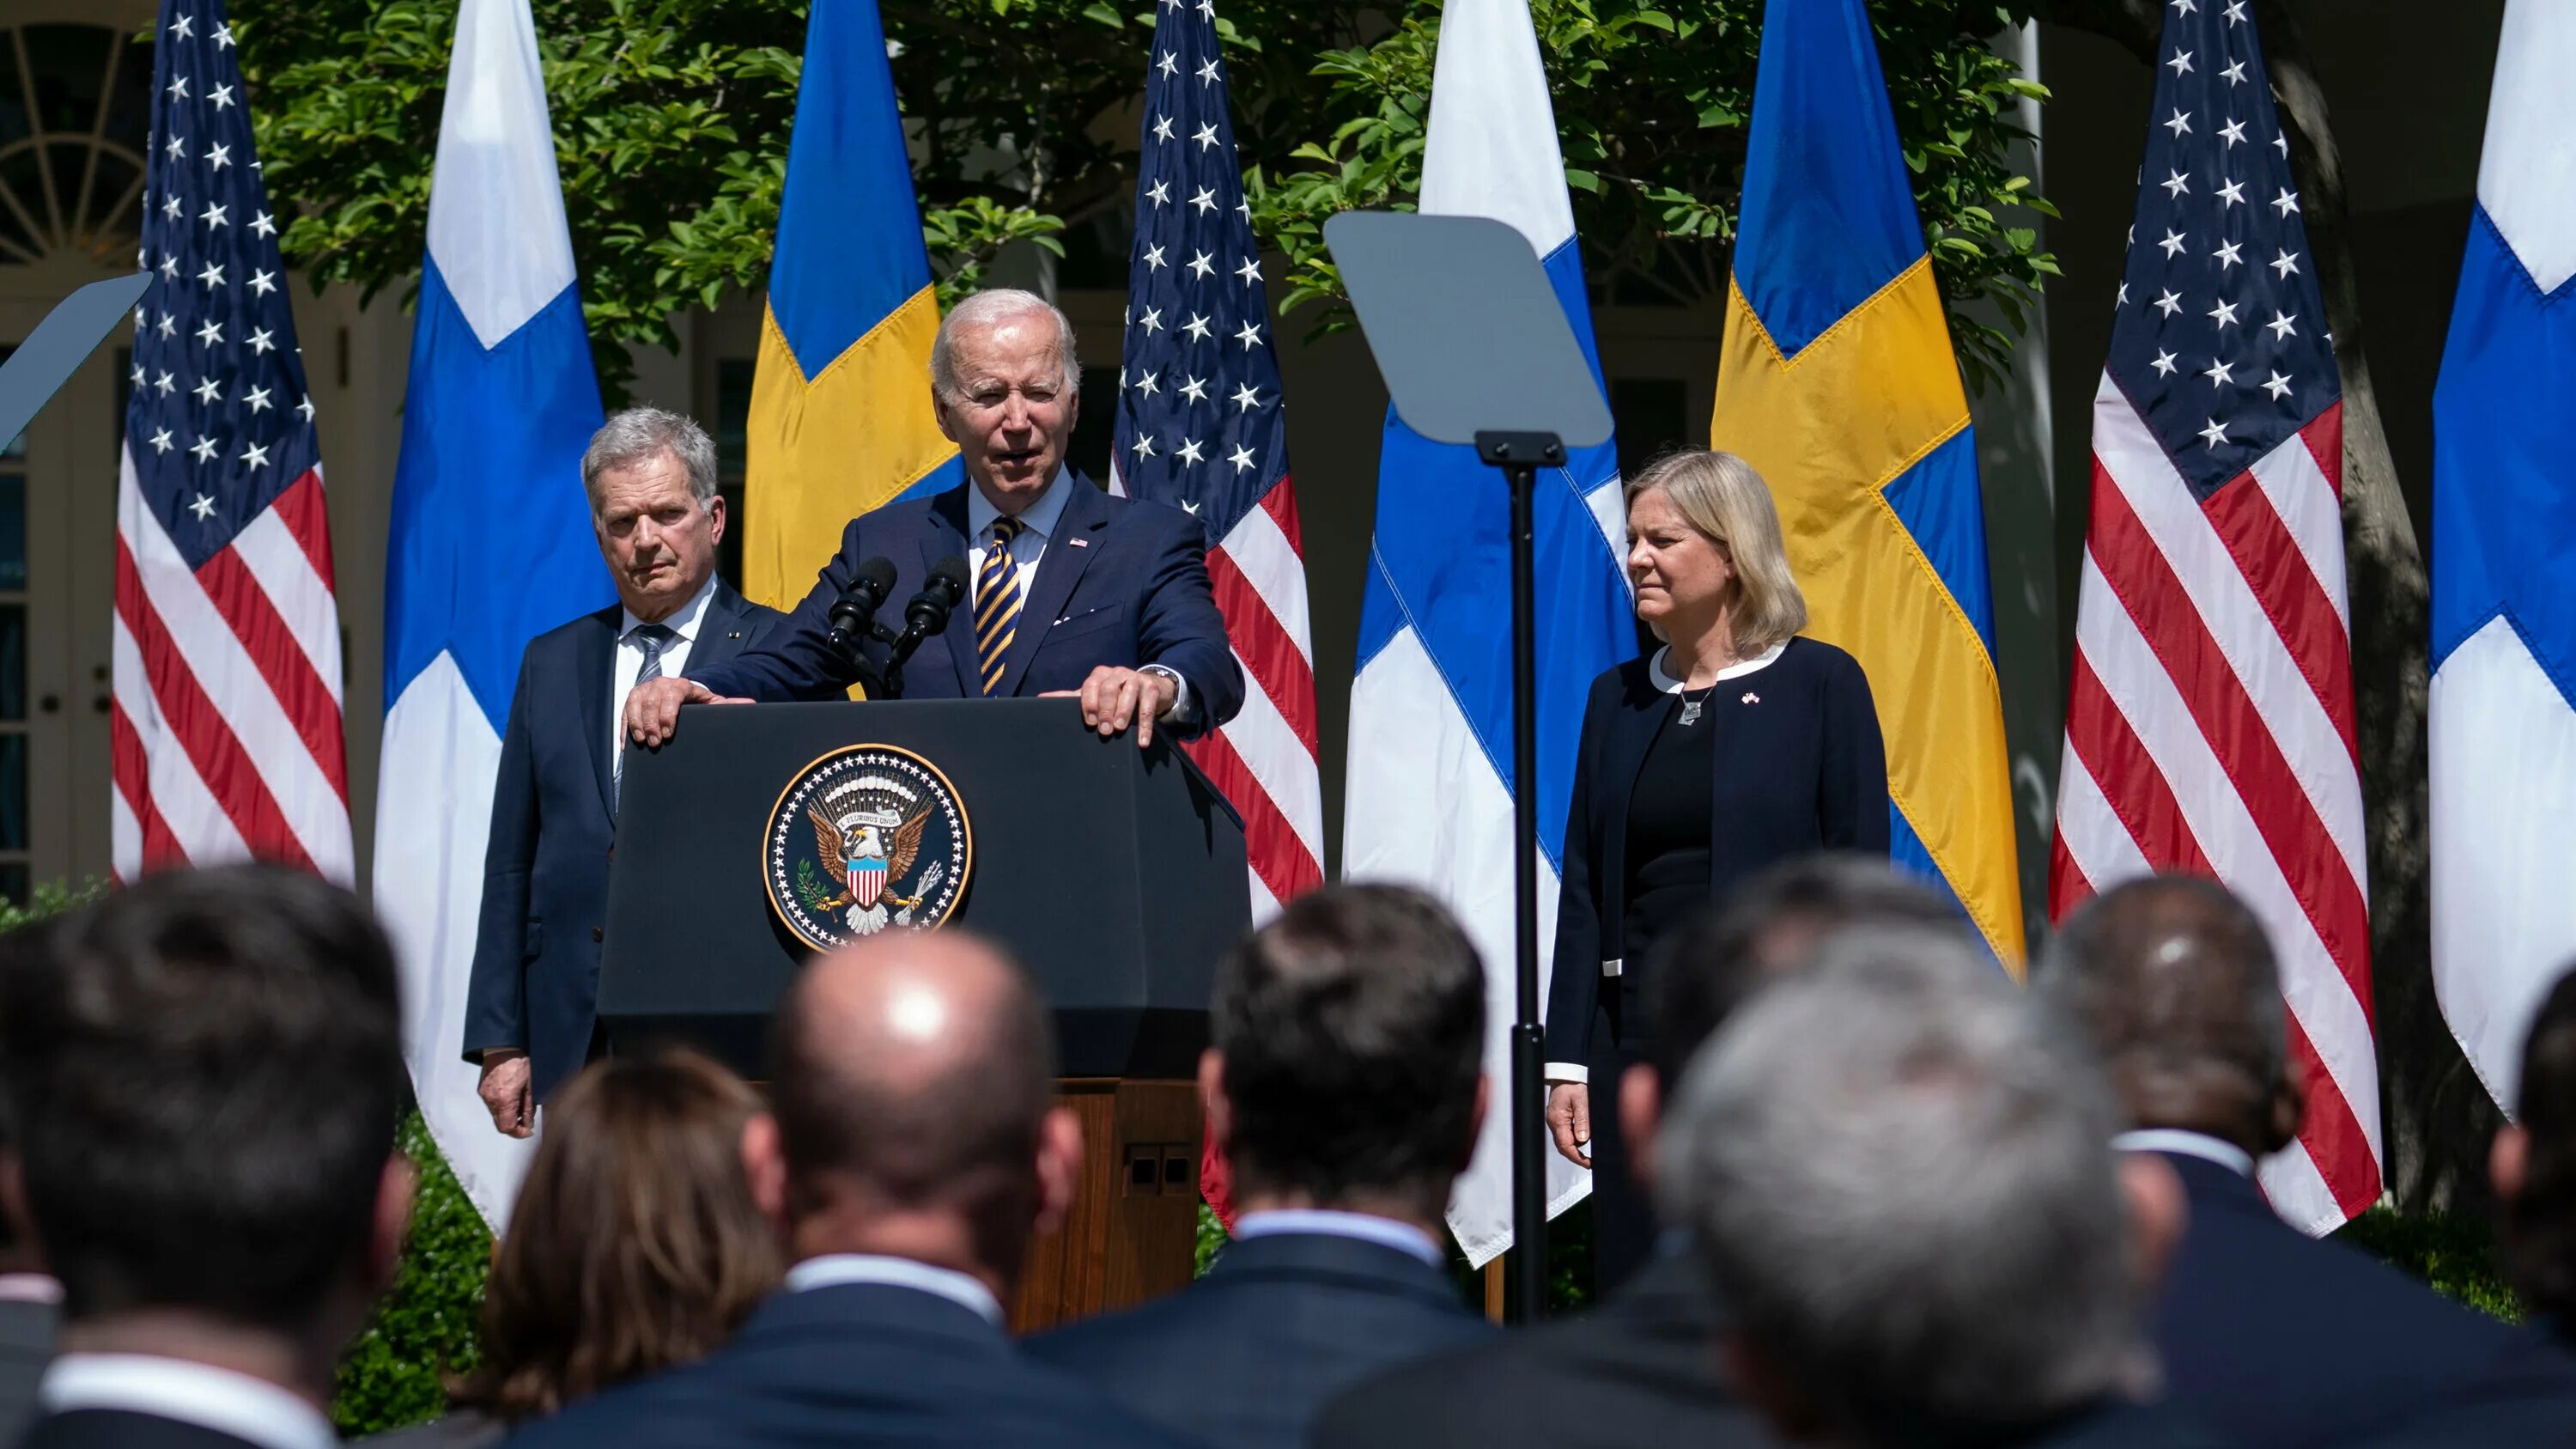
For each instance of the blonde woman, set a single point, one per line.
(1736, 745)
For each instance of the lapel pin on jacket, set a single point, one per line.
(1751, 698)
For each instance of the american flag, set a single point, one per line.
(2210, 724)
(225, 731)
(1199, 427)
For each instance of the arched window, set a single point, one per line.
(75, 119)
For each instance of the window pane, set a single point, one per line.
(1651, 415)
(733, 417)
(13, 798)
(13, 882)
(13, 530)
(16, 447)
(71, 66)
(13, 663)
(15, 124)
(129, 113)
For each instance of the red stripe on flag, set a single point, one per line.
(2067, 887)
(280, 660)
(308, 521)
(199, 728)
(2324, 437)
(2269, 557)
(1281, 504)
(2144, 582)
(2102, 738)
(1277, 855)
(132, 770)
(1268, 652)
(2330, 1131)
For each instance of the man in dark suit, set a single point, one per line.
(1898, 1169)
(1640, 1368)
(912, 1149)
(1070, 591)
(651, 477)
(30, 1316)
(203, 1073)
(2267, 1336)
(1345, 1086)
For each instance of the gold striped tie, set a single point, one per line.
(997, 602)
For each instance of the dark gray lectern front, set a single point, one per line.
(1115, 874)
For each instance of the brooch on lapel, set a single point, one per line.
(1751, 698)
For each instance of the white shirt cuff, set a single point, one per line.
(1180, 713)
(1567, 1072)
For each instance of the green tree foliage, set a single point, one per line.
(672, 119)
(428, 1324)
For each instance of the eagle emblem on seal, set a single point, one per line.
(883, 843)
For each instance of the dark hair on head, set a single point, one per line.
(2539, 1238)
(1353, 1030)
(204, 1071)
(1767, 926)
(635, 1244)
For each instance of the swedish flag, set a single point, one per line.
(840, 402)
(1838, 383)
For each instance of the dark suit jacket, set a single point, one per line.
(1806, 771)
(1639, 1370)
(122, 1429)
(2271, 1338)
(855, 1365)
(27, 1333)
(2527, 1398)
(1121, 583)
(545, 873)
(1245, 1357)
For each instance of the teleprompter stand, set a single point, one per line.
(1475, 349)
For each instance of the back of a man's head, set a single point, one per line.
(203, 1074)
(2176, 982)
(914, 1074)
(1898, 1168)
(2535, 1161)
(1349, 1037)
(1771, 925)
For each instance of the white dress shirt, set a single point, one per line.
(30, 1288)
(1333, 1223)
(628, 661)
(190, 1393)
(2187, 1144)
(836, 1270)
(1038, 524)
(1663, 679)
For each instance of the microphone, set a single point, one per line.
(853, 613)
(926, 614)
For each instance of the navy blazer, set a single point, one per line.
(1639, 1369)
(1249, 1355)
(854, 1365)
(2527, 1398)
(535, 983)
(2270, 1337)
(123, 1429)
(1121, 583)
(1805, 771)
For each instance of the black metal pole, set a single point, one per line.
(1526, 1299)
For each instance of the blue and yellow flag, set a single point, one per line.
(840, 404)
(1838, 384)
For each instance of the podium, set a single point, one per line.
(1115, 875)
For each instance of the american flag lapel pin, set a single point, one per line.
(1079, 542)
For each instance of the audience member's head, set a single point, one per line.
(912, 1111)
(1765, 928)
(203, 1072)
(2534, 1161)
(1347, 1064)
(1899, 1170)
(634, 1244)
(2175, 979)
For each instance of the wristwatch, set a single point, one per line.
(1179, 713)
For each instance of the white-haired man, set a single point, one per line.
(1071, 591)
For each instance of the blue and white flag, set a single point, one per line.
(491, 544)
(2504, 566)
(1430, 780)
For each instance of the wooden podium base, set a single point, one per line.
(1133, 1230)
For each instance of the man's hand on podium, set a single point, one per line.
(504, 1090)
(1113, 698)
(653, 708)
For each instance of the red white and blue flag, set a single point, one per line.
(225, 723)
(1199, 428)
(2210, 727)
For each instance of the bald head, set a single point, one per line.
(914, 1071)
(2175, 979)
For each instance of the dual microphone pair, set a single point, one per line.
(853, 623)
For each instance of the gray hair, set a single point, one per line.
(635, 435)
(1899, 1169)
(991, 309)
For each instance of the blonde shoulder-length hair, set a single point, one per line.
(1720, 495)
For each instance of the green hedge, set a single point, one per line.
(395, 1374)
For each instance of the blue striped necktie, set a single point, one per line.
(997, 603)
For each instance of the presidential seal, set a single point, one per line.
(864, 838)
